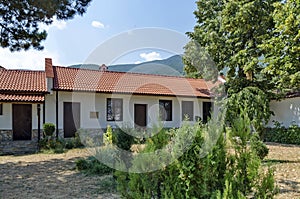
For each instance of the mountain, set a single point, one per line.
(171, 66)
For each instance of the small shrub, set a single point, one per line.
(50, 145)
(107, 185)
(91, 165)
(259, 147)
(74, 142)
(49, 129)
(122, 139)
(82, 164)
(283, 135)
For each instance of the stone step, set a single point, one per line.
(18, 147)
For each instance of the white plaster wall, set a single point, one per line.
(286, 111)
(96, 102)
(50, 108)
(6, 118)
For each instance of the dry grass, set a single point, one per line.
(285, 160)
(54, 176)
(48, 176)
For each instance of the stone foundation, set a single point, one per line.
(9, 146)
(89, 137)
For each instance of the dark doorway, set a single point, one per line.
(207, 108)
(71, 118)
(22, 121)
(140, 115)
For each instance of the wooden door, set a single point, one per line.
(207, 108)
(140, 115)
(22, 121)
(71, 118)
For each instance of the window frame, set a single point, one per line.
(169, 110)
(191, 116)
(112, 103)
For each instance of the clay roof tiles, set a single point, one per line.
(73, 79)
(21, 85)
(22, 81)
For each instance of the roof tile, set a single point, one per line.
(73, 79)
(22, 81)
(21, 98)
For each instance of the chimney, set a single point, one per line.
(49, 74)
(103, 68)
(49, 68)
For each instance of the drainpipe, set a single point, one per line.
(56, 114)
(44, 112)
(39, 121)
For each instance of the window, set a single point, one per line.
(1, 109)
(114, 109)
(187, 110)
(94, 115)
(165, 110)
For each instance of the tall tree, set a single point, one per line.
(20, 20)
(231, 32)
(282, 50)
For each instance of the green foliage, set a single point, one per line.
(73, 142)
(230, 34)
(108, 136)
(20, 20)
(280, 134)
(107, 184)
(252, 101)
(206, 169)
(91, 165)
(122, 138)
(49, 129)
(282, 50)
(52, 145)
(258, 147)
(243, 172)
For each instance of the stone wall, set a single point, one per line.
(89, 137)
(8, 146)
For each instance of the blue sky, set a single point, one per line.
(71, 42)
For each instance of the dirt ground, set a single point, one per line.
(47, 176)
(53, 175)
(285, 159)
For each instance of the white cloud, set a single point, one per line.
(31, 59)
(97, 24)
(150, 56)
(137, 62)
(59, 24)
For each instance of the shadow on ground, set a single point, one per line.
(55, 178)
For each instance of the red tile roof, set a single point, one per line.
(22, 81)
(23, 86)
(21, 98)
(72, 79)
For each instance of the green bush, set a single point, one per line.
(259, 147)
(93, 166)
(74, 142)
(49, 129)
(52, 145)
(205, 169)
(123, 139)
(280, 134)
